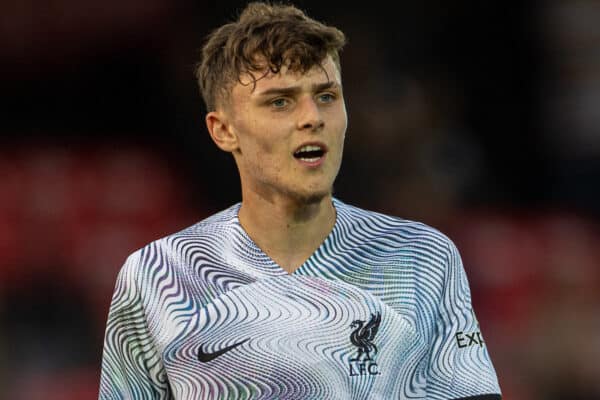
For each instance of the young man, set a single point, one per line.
(291, 294)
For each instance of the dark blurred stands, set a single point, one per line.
(69, 218)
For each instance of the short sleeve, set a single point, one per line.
(459, 364)
(131, 366)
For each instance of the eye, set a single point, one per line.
(279, 103)
(326, 97)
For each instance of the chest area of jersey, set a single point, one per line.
(294, 337)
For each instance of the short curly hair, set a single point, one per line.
(265, 35)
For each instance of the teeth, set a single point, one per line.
(308, 148)
(310, 153)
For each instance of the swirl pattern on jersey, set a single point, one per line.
(210, 287)
(294, 347)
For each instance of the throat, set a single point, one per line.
(290, 265)
(289, 238)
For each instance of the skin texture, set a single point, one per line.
(286, 203)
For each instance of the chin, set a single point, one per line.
(313, 197)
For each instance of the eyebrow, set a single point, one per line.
(291, 90)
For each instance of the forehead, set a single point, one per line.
(324, 73)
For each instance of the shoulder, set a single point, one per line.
(216, 222)
(207, 235)
(212, 227)
(417, 258)
(382, 227)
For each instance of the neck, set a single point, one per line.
(287, 230)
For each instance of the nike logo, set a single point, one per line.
(206, 357)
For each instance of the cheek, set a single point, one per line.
(259, 148)
(344, 120)
(263, 140)
(251, 136)
(340, 125)
(338, 118)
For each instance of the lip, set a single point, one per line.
(318, 161)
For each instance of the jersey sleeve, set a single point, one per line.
(459, 364)
(131, 366)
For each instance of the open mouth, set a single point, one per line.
(309, 153)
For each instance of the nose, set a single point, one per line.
(310, 117)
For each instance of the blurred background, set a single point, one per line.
(478, 118)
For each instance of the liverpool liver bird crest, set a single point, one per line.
(363, 336)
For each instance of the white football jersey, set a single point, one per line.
(381, 310)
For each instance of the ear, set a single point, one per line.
(220, 131)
